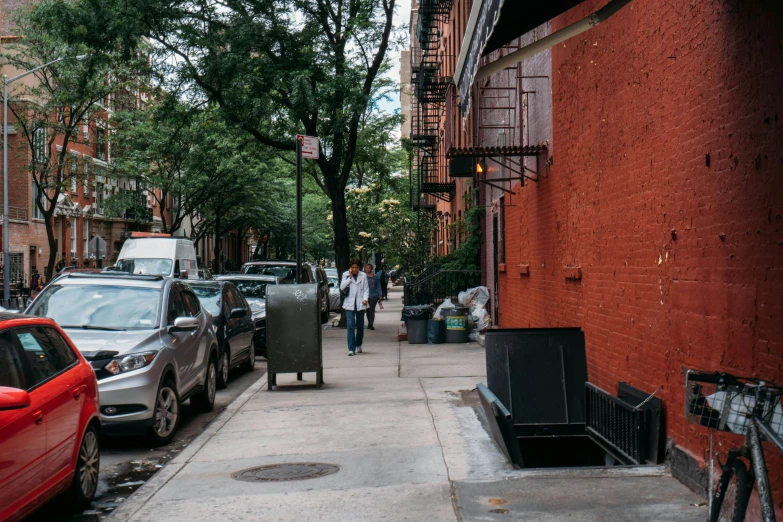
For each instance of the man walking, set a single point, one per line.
(354, 283)
(374, 283)
(384, 277)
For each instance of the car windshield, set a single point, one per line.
(249, 288)
(99, 306)
(287, 273)
(209, 297)
(145, 266)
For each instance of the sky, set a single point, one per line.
(402, 16)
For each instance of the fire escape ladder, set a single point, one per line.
(428, 101)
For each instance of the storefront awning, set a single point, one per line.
(493, 24)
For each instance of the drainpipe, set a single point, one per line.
(553, 39)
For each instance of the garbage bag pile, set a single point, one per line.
(475, 300)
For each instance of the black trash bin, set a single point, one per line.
(416, 318)
(456, 324)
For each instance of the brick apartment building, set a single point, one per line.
(630, 177)
(80, 212)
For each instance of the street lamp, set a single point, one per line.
(6, 232)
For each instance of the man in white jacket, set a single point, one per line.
(354, 304)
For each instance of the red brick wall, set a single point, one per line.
(681, 257)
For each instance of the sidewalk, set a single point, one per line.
(409, 444)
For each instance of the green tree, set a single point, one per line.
(54, 108)
(274, 67)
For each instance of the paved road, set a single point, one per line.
(127, 462)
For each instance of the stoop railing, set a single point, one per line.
(433, 286)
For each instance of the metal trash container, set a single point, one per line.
(293, 332)
(416, 318)
(456, 324)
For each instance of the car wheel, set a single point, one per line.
(166, 414)
(250, 363)
(222, 380)
(204, 400)
(85, 476)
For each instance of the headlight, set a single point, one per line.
(130, 362)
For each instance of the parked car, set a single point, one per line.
(232, 322)
(148, 340)
(286, 270)
(334, 293)
(332, 273)
(253, 289)
(49, 421)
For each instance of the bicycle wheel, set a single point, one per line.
(731, 498)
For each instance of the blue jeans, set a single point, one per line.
(354, 320)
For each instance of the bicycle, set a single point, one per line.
(749, 407)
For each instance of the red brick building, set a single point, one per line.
(80, 212)
(651, 211)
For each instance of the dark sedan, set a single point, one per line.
(232, 320)
(253, 289)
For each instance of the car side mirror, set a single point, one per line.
(183, 274)
(238, 313)
(13, 398)
(331, 285)
(184, 324)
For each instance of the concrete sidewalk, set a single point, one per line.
(409, 443)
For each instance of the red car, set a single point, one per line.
(49, 422)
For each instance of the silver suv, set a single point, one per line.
(149, 341)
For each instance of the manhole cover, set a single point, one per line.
(281, 472)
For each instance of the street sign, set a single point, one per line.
(309, 146)
(98, 247)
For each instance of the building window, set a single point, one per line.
(86, 179)
(39, 144)
(37, 214)
(17, 266)
(73, 237)
(86, 127)
(85, 238)
(99, 198)
(101, 149)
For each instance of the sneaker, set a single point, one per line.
(371, 327)
(350, 354)
(358, 349)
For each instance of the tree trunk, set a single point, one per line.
(49, 271)
(340, 224)
(216, 250)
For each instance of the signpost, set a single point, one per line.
(306, 147)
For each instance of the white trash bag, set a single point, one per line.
(445, 304)
(481, 317)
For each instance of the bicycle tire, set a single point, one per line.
(731, 498)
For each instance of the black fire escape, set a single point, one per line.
(428, 102)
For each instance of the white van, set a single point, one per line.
(166, 256)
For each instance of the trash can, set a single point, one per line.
(436, 331)
(416, 318)
(456, 324)
(293, 337)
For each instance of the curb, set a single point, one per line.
(140, 497)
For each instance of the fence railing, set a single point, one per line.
(432, 287)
